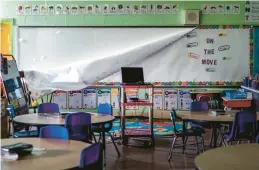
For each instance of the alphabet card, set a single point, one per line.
(158, 99)
(171, 98)
(236, 9)
(106, 9)
(75, 99)
(89, 98)
(221, 8)
(228, 9)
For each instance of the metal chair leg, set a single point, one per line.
(171, 149)
(94, 138)
(202, 144)
(118, 152)
(197, 144)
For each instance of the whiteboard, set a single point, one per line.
(41, 48)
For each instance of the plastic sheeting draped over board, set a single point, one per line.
(85, 71)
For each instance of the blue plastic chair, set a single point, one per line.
(17, 128)
(184, 134)
(257, 139)
(243, 128)
(105, 109)
(91, 158)
(48, 108)
(56, 132)
(79, 126)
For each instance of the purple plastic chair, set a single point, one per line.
(48, 108)
(198, 106)
(79, 126)
(56, 132)
(257, 139)
(243, 128)
(91, 158)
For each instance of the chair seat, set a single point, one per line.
(228, 136)
(191, 132)
(33, 133)
(200, 124)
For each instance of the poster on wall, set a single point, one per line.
(89, 98)
(104, 96)
(115, 98)
(184, 100)
(252, 11)
(170, 99)
(158, 99)
(60, 97)
(75, 99)
(132, 93)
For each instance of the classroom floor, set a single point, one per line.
(133, 158)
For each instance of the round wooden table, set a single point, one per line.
(235, 157)
(40, 120)
(56, 154)
(206, 116)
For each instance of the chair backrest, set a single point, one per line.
(11, 111)
(244, 125)
(105, 109)
(174, 119)
(199, 106)
(257, 139)
(48, 108)
(204, 98)
(90, 155)
(56, 132)
(79, 124)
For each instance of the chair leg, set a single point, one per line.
(94, 138)
(118, 152)
(172, 147)
(184, 139)
(238, 142)
(202, 144)
(197, 144)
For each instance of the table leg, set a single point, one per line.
(214, 129)
(104, 145)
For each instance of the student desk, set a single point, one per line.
(206, 116)
(56, 154)
(235, 157)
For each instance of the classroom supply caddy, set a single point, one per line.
(145, 135)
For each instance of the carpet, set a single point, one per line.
(161, 127)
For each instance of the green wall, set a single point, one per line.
(124, 20)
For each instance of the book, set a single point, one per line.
(18, 148)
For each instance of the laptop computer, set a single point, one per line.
(132, 75)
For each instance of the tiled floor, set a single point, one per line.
(133, 158)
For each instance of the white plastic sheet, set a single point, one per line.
(82, 73)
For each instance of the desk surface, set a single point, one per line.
(235, 157)
(206, 116)
(36, 119)
(57, 154)
(206, 92)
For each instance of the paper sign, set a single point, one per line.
(35, 9)
(115, 98)
(74, 9)
(151, 8)
(27, 9)
(60, 98)
(51, 10)
(236, 9)
(136, 9)
(185, 99)
(158, 99)
(113, 8)
(43, 10)
(20, 10)
(252, 11)
(59, 9)
(175, 8)
(221, 8)
(131, 93)
(98, 9)
(170, 101)
(89, 9)
(121, 9)
(143, 8)
(128, 9)
(104, 96)
(106, 9)
(81, 9)
(75, 99)
(89, 99)
(228, 9)
(66, 9)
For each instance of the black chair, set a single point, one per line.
(184, 134)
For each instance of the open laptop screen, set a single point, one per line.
(132, 75)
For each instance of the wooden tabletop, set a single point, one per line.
(205, 92)
(235, 157)
(206, 116)
(225, 99)
(36, 119)
(55, 154)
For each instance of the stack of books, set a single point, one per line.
(14, 151)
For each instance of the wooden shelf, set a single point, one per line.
(250, 89)
(137, 104)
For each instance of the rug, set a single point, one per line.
(161, 127)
